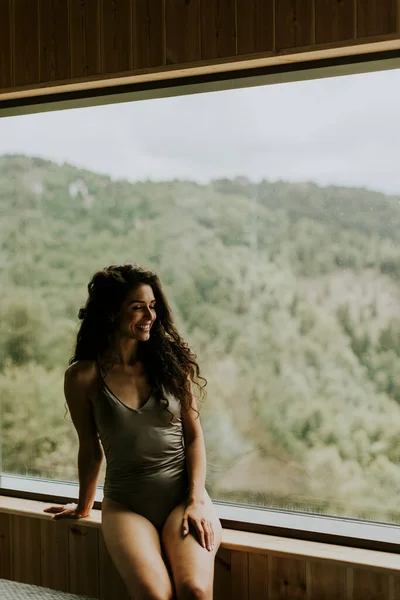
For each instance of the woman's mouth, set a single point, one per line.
(143, 327)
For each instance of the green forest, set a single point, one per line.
(289, 294)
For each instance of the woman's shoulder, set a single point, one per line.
(83, 373)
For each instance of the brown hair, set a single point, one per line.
(168, 361)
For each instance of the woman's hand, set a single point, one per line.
(198, 514)
(68, 511)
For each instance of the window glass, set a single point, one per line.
(272, 215)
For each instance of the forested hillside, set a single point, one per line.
(288, 293)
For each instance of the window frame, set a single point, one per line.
(316, 68)
(341, 531)
(293, 524)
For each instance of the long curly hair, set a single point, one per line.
(168, 361)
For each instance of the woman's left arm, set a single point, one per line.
(197, 509)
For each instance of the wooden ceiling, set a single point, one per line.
(47, 41)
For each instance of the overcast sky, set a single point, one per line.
(343, 130)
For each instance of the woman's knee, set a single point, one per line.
(194, 590)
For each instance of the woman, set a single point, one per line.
(129, 386)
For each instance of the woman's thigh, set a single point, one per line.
(134, 546)
(192, 565)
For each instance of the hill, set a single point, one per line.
(288, 293)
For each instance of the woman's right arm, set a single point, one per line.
(78, 385)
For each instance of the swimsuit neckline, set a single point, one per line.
(136, 410)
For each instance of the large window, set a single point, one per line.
(273, 217)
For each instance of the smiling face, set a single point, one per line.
(138, 313)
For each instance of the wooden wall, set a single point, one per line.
(43, 41)
(62, 555)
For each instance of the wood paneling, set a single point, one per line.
(25, 549)
(148, 33)
(44, 41)
(110, 584)
(222, 575)
(116, 35)
(5, 44)
(255, 26)
(54, 554)
(240, 576)
(286, 579)
(370, 586)
(325, 582)
(73, 557)
(218, 28)
(182, 31)
(294, 23)
(83, 560)
(245, 541)
(5, 547)
(377, 17)
(334, 20)
(84, 37)
(54, 40)
(26, 41)
(258, 577)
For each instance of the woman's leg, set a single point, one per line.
(192, 565)
(134, 546)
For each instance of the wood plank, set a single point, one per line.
(368, 585)
(54, 549)
(255, 26)
(395, 587)
(258, 577)
(375, 17)
(54, 40)
(5, 44)
(26, 552)
(83, 560)
(325, 581)
(182, 31)
(334, 20)
(110, 583)
(239, 576)
(286, 579)
(218, 28)
(349, 583)
(84, 37)
(116, 47)
(26, 42)
(5, 547)
(148, 33)
(294, 23)
(222, 575)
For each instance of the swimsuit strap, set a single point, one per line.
(99, 369)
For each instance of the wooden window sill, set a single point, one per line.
(243, 541)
